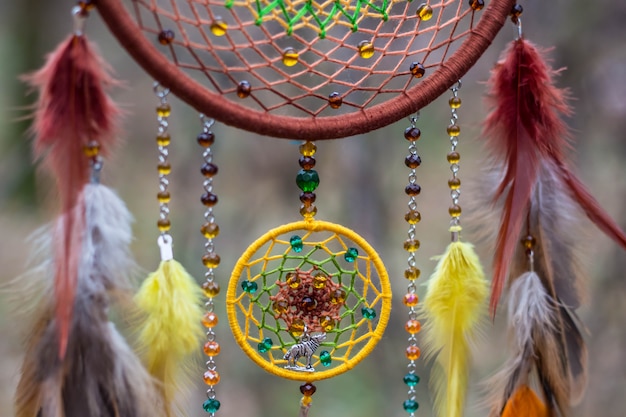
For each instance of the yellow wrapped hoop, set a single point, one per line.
(308, 274)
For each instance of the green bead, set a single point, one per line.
(351, 254)
(265, 345)
(307, 180)
(368, 313)
(249, 287)
(410, 406)
(296, 243)
(325, 358)
(411, 380)
(211, 405)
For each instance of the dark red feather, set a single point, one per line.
(72, 111)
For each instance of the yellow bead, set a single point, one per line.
(209, 320)
(211, 377)
(308, 148)
(411, 245)
(210, 230)
(164, 168)
(211, 260)
(455, 210)
(92, 149)
(212, 348)
(164, 110)
(280, 306)
(413, 217)
(290, 57)
(308, 211)
(413, 353)
(412, 326)
(219, 28)
(454, 183)
(163, 197)
(297, 328)
(412, 273)
(454, 102)
(293, 280)
(306, 400)
(319, 280)
(454, 157)
(163, 225)
(424, 12)
(163, 139)
(338, 296)
(327, 324)
(454, 130)
(366, 49)
(210, 289)
(529, 242)
(410, 299)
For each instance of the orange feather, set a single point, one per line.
(525, 403)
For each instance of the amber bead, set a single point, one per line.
(243, 89)
(92, 149)
(163, 139)
(454, 130)
(308, 211)
(290, 57)
(219, 27)
(308, 304)
(454, 102)
(454, 157)
(529, 242)
(477, 4)
(413, 161)
(211, 260)
(164, 225)
(163, 197)
(208, 199)
(335, 100)
(413, 217)
(327, 324)
(307, 389)
(410, 299)
(454, 210)
(209, 169)
(338, 296)
(516, 11)
(280, 306)
(424, 12)
(86, 5)
(306, 401)
(412, 133)
(307, 162)
(413, 353)
(205, 139)
(412, 189)
(366, 49)
(308, 148)
(411, 245)
(413, 326)
(454, 183)
(417, 69)
(166, 37)
(211, 377)
(210, 320)
(164, 110)
(297, 328)
(319, 280)
(212, 348)
(293, 280)
(412, 273)
(210, 289)
(210, 230)
(164, 168)
(307, 198)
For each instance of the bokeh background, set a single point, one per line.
(362, 181)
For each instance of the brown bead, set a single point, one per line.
(412, 273)
(164, 168)
(166, 37)
(454, 183)
(205, 139)
(307, 162)
(243, 89)
(208, 199)
(209, 169)
(411, 245)
(210, 289)
(413, 161)
(454, 130)
(212, 348)
(163, 139)
(454, 102)
(308, 389)
(412, 189)
(529, 242)
(163, 225)
(516, 11)
(210, 230)
(454, 157)
(412, 133)
(454, 210)
(163, 197)
(307, 198)
(413, 217)
(308, 304)
(417, 69)
(211, 260)
(86, 5)
(335, 100)
(477, 4)
(308, 211)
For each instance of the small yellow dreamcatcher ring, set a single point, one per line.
(308, 300)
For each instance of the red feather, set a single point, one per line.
(72, 111)
(524, 128)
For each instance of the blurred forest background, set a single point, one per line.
(362, 182)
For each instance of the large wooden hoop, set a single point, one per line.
(213, 105)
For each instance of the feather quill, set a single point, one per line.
(452, 309)
(171, 330)
(72, 111)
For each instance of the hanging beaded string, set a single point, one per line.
(412, 273)
(454, 130)
(307, 180)
(164, 168)
(210, 260)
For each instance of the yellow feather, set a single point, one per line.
(170, 330)
(452, 309)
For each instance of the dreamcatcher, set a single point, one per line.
(310, 299)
